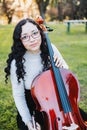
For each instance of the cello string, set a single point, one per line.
(60, 85)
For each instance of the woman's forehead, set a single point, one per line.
(28, 27)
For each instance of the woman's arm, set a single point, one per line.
(58, 59)
(19, 95)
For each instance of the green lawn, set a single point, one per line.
(73, 47)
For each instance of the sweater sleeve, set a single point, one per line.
(19, 95)
(56, 51)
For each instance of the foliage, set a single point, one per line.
(6, 9)
(83, 8)
(73, 47)
(42, 5)
(74, 9)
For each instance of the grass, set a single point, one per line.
(73, 47)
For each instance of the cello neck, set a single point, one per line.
(58, 78)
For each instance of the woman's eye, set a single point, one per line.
(35, 33)
(24, 37)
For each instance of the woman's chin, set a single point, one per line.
(34, 50)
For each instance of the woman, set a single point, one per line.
(29, 57)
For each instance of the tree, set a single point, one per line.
(6, 9)
(74, 9)
(42, 6)
(60, 11)
(83, 8)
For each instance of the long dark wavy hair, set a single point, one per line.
(18, 51)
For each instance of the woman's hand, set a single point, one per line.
(58, 62)
(38, 127)
(30, 126)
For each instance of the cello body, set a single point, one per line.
(47, 100)
(56, 93)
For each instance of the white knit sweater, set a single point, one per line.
(33, 67)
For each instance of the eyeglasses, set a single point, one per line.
(34, 35)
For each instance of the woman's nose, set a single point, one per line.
(31, 38)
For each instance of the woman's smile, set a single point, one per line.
(33, 45)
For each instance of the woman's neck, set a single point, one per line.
(34, 52)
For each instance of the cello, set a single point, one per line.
(56, 94)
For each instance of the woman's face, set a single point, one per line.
(30, 37)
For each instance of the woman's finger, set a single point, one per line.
(55, 57)
(58, 62)
(38, 127)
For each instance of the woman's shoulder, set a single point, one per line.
(13, 65)
(13, 62)
(55, 49)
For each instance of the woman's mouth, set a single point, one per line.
(33, 45)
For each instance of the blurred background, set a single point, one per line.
(11, 11)
(70, 39)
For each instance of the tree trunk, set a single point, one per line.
(42, 5)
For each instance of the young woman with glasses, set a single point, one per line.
(29, 57)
